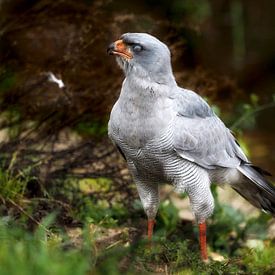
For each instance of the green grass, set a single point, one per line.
(12, 187)
(29, 245)
(26, 253)
(49, 251)
(260, 261)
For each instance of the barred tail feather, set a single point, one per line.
(255, 188)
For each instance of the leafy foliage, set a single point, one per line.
(92, 128)
(260, 261)
(24, 253)
(175, 246)
(12, 187)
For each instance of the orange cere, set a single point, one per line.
(122, 49)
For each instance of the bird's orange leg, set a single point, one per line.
(151, 224)
(202, 234)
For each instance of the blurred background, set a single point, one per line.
(55, 156)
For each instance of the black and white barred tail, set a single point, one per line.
(256, 188)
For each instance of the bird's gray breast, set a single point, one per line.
(142, 128)
(137, 119)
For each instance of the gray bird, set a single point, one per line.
(168, 134)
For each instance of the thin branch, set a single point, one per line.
(248, 114)
(28, 215)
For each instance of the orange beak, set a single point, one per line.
(120, 48)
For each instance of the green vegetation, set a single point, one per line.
(25, 253)
(7, 80)
(102, 244)
(260, 261)
(12, 187)
(92, 128)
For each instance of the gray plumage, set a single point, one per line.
(171, 135)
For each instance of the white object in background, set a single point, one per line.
(59, 82)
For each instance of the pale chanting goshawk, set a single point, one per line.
(168, 134)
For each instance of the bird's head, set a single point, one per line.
(143, 55)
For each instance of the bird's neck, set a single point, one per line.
(161, 76)
(140, 91)
(146, 87)
(144, 97)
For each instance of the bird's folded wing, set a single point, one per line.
(201, 137)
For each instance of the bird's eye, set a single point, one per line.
(137, 48)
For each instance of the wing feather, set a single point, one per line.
(201, 137)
